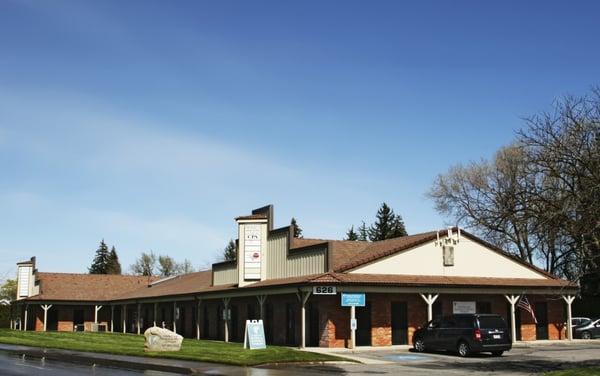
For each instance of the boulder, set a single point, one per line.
(159, 339)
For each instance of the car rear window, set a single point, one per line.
(585, 322)
(491, 322)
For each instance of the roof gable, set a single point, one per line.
(421, 254)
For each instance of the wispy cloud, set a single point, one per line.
(88, 172)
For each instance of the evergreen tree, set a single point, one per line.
(387, 225)
(145, 265)
(363, 232)
(398, 228)
(230, 253)
(114, 266)
(100, 263)
(297, 229)
(351, 234)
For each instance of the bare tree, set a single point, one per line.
(540, 196)
(145, 265)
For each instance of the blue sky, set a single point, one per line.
(152, 124)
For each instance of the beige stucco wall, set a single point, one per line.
(471, 259)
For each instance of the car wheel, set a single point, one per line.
(586, 335)
(497, 353)
(463, 349)
(419, 345)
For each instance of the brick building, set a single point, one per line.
(294, 285)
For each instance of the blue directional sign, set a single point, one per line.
(356, 299)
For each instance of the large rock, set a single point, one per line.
(159, 339)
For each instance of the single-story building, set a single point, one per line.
(295, 285)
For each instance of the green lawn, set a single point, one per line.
(130, 344)
(588, 371)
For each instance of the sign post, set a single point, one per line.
(353, 300)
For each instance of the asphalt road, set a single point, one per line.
(13, 365)
(518, 362)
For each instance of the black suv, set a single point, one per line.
(465, 334)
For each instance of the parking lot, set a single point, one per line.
(521, 360)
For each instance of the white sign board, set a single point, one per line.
(254, 336)
(463, 307)
(252, 251)
(353, 324)
(324, 290)
(24, 275)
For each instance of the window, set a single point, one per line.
(464, 322)
(448, 322)
(491, 322)
(448, 256)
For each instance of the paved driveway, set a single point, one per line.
(519, 361)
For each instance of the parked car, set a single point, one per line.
(576, 321)
(465, 334)
(588, 329)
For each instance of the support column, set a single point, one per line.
(198, 304)
(569, 300)
(513, 299)
(96, 310)
(303, 297)
(25, 321)
(124, 318)
(154, 314)
(175, 317)
(429, 299)
(138, 321)
(352, 331)
(46, 307)
(112, 318)
(226, 318)
(261, 306)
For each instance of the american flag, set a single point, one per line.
(524, 304)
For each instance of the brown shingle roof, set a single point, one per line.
(376, 250)
(429, 280)
(303, 242)
(86, 287)
(179, 285)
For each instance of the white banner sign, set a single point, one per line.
(252, 251)
(463, 307)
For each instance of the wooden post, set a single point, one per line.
(154, 314)
(124, 318)
(138, 321)
(46, 307)
(261, 306)
(513, 299)
(226, 318)
(175, 317)
(112, 318)
(429, 299)
(352, 330)
(96, 309)
(303, 297)
(569, 299)
(198, 304)
(25, 321)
